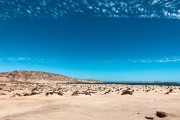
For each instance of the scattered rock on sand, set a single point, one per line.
(34, 93)
(161, 114)
(170, 91)
(49, 93)
(16, 94)
(86, 93)
(2, 94)
(147, 90)
(75, 93)
(150, 118)
(26, 94)
(60, 93)
(107, 92)
(125, 92)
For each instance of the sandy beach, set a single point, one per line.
(20, 101)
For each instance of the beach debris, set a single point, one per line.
(16, 94)
(128, 88)
(125, 92)
(60, 93)
(34, 89)
(75, 93)
(34, 93)
(149, 118)
(147, 90)
(86, 93)
(49, 93)
(107, 92)
(170, 91)
(161, 114)
(2, 94)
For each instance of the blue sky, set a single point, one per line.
(111, 49)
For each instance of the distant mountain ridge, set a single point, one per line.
(39, 77)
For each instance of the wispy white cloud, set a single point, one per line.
(153, 60)
(159, 60)
(28, 59)
(17, 59)
(108, 61)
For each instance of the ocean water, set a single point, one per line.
(138, 83)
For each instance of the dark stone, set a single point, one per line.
(125, 92)
(60, 93)
(161, 114)
(75, 93)
(150, 118)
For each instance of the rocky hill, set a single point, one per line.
(39, 77)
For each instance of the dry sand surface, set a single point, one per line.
(30, 101)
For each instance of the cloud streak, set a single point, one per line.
(160, 60)
(28, 59)
(153, 60)
(17, 59)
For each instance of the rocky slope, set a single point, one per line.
(39, 77)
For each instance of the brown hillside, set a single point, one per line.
(38, 77)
